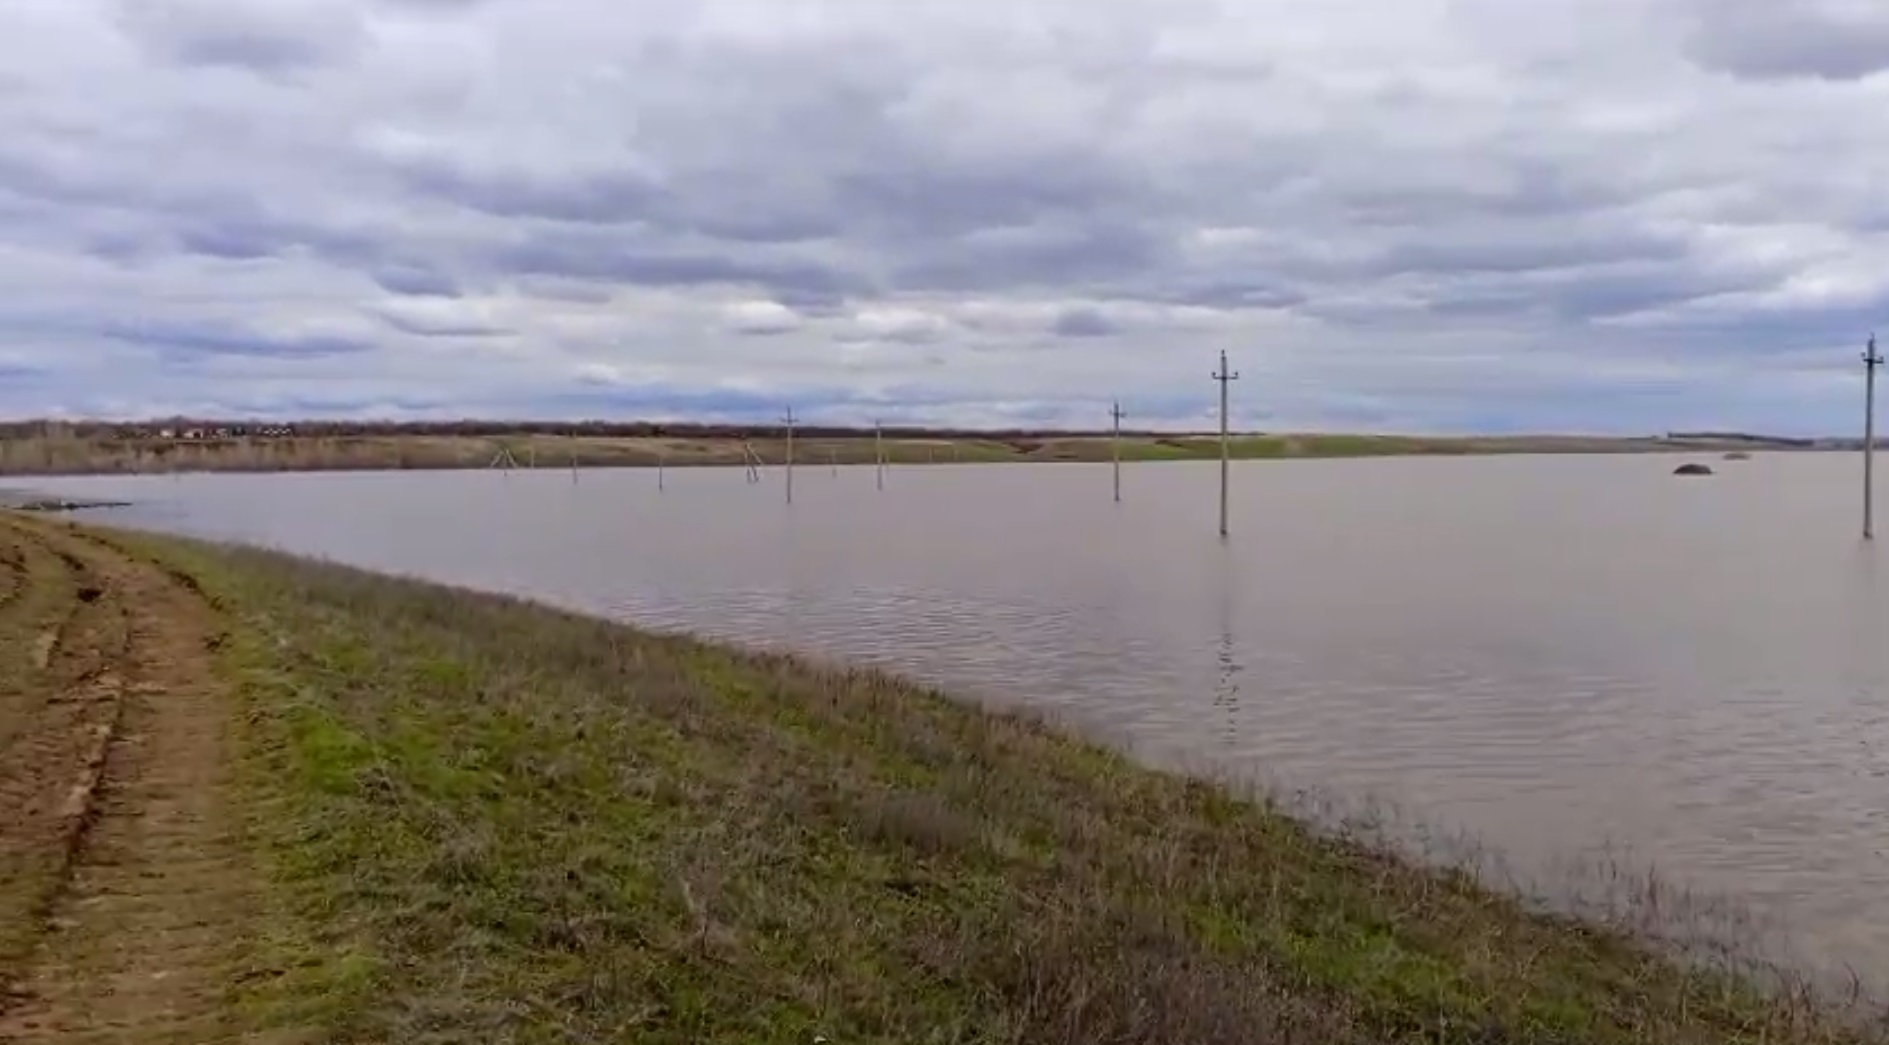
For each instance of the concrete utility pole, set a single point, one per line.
(878, 454)
(1872, 359)
(1225, 377)
(789, 421)
(1115, 447)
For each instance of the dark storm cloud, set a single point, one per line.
(1521, 188)
(1776, 330)
(921, 199)
(439, 6)
(1604, 292)
(228, 243)
(1781, 39)
(1525, 250)
(605, 399)
(235, 228)
(591, 199)
(435, 326)
(1082, 322)
(226, 339)
(1232, 294)
(265, 36)
(601, 258)
(416, 282)
(1071, 254)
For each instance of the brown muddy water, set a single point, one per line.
(1570, 658)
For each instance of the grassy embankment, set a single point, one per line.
(69, 455)
(474, 819)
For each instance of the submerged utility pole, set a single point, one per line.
(1872, 359)
(573, 457)
(878, 454)
(1115, 447)
(662, 460)
(789, 421)
(1225, 377)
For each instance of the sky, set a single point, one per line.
(1608, 216)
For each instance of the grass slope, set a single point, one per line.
(487, 821)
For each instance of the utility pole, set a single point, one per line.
(573, 458)
(833, 461)
(662, 460)
(878, 454)
(789, 421)
(1872, 359)
(1225, 377)
(1115, 447)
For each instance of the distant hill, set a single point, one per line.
(1739, 437)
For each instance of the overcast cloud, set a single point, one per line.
(1597, 215)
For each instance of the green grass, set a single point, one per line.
(489, 821)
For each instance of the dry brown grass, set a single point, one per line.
(42, 455)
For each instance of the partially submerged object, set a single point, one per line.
(1738, 455)
(56, 505)
(1693, 468)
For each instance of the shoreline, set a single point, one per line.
(469, 806)
(104, 456)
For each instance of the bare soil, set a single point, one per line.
(122, 889)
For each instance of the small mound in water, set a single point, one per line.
(1693, 469)
(1738, 455)
(56, 505)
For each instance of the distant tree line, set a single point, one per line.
(1738, 437)
(319, 429)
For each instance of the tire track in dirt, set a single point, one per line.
(12, 574)
(59, 731)
(88, 594)
(139, 929)
(30, 625)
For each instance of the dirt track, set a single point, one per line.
(123, 892)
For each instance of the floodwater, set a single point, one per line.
(1557, 655)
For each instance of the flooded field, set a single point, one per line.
(1560, 655)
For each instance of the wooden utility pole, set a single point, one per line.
(1872, 359)
(1225, 377)
(878, 454)
(788, 420)
(1115, 447)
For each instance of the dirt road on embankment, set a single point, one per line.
(122, 887)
